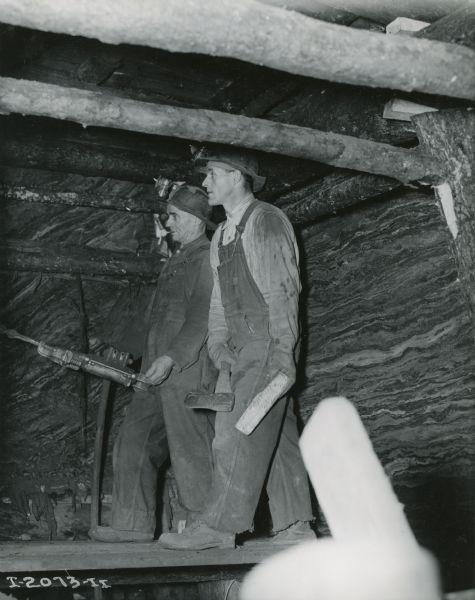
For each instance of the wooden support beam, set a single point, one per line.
(403, 110)
(387, 10)
(69, 162)
(32, 256)
(102, 192)
(405, 26)
(86, 199)
(103, 110)
(326, 196)
(263, 103)
(263, 35)
(316, 10)
(360, 112)
(19, 46)
(332, 194)
(76, 156)
(458, 27)
(450, 134)
(353, 112)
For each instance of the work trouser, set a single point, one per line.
(157, 423)
(242, 463)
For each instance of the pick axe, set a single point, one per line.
(222, 400)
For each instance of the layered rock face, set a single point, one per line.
(386, 325)
(47, 428)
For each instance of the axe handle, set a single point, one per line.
(261, 404)
(224, 379)
(226, 368)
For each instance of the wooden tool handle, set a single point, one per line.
(261, 404)
(225, 368)
(223, 384)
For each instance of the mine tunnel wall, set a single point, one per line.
(385, 323)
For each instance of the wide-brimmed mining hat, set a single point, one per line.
(225, 158)
(194, 201)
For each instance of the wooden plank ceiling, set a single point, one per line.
(191, 81)
(198, 82)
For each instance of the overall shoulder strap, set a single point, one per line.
(249, 210)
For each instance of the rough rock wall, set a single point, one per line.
(45, 458)
(388, 327)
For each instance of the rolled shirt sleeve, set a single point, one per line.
(272, 255)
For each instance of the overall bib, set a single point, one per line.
(242, 463)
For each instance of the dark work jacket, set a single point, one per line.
(176, 321)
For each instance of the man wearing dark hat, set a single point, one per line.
(175, 360)
(253, 326)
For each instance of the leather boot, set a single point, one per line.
(198, 536)
(294, 534)
(111, 535)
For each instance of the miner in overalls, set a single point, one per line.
(175, 361)
(254, 327)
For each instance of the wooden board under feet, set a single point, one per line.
(77, 556)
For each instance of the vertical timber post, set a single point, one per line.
(449, 135)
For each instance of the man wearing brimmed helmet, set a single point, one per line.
(253, 326)
(175, 361)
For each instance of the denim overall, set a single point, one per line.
(242, 463)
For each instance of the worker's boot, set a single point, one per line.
(111, 535)
(294, 534)
(197, 536)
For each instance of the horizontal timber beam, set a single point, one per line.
(73, 156)
(332, 194)
(260, 34)
(32, 256)
(316, 10)
(40, 180)
(85, 199)
(457, 27)
(326, 196)
(361, 112)
(33, 144)
(382, 11)
(105, 110)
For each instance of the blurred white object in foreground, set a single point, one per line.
(331, 570)
(373, 554)
(352, 488)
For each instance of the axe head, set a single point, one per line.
(223, 402)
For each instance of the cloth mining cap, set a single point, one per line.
(194, 201)
(229, 158)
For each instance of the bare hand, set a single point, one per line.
(159, 370)
(221, 353)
